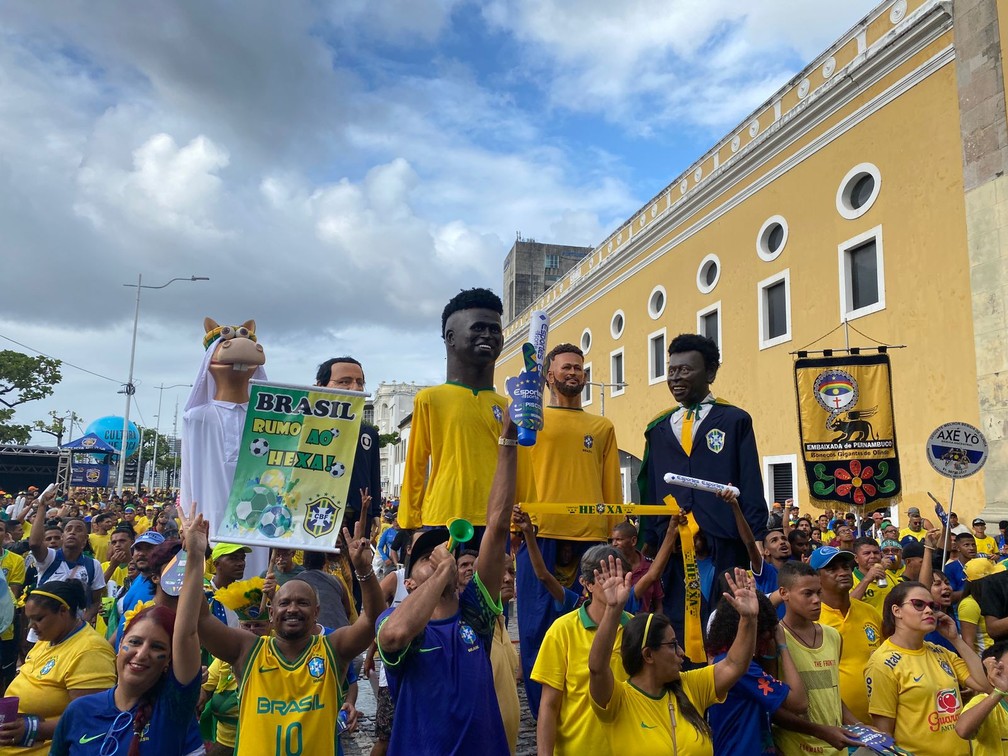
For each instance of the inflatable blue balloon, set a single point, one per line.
(109, 429)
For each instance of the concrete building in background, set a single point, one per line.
(531, 268)
(870, 190)
(392, 402)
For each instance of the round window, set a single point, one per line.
(708, 274)
(772, 237)
(858, 191)
(656, 302)
(586, 340)
(616, 325)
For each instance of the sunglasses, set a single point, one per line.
(920, 604)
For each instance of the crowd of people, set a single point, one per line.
(718, 625)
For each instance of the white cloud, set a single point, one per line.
(651, 63)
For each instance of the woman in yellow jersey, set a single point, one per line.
(70, 660)
(913, 685)
(661, 706)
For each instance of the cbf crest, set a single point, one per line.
(589, 441)
(320, 517)
(715, 440)
(467, 634)
(316, 667)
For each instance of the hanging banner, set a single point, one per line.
(847, 430)
(297, 451)
(87, 475)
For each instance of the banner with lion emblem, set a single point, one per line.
(293, 474)
(847, 429)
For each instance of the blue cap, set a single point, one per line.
(826, 554)
(151, 536)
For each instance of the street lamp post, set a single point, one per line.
(157, 429)
(604, 386)
(129, 389)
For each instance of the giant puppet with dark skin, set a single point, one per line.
(701, 437)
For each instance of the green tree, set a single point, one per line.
(165, 459)
(58, 426)
(23, 379)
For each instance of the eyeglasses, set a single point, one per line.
(920, 604)
(111, 743)
(673, 643)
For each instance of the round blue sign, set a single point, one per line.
(110, 428)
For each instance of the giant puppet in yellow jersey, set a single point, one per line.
(456, 425)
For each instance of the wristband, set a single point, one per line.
(782, 647)
(1002, 693)
(362, 578)
(31, 730)
(501, 441)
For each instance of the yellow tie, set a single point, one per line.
(687, 432)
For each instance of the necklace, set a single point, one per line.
(815, 634)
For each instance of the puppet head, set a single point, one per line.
(235, 345)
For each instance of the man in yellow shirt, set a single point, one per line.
(986, 546)
(99, 537)
(873, 581)
(567, 724)
(859, 624)
(915, 526)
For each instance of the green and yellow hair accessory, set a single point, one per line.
(227, 332)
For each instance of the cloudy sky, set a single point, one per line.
(339, 170)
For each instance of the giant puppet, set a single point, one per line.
(708, 438)
(215, 417)
(456, 425)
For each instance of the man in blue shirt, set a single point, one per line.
(436, 643)
(390, 560)
(142, 589)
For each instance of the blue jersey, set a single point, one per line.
(94, 726)
(766, 582)
(744, 718)
(442, 683)
(956, 574)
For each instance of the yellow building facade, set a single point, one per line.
(849, 196)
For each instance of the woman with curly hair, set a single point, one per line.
(151, 711)
(913, 685)
(743, 720)
(661, 706)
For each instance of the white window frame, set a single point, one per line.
(785, 276)
(652, 378)
(655, 314)
(763, 238)
(846, 313)
(702, 286)
(612, 324)
(779, 459)
(843, 204)
(716, 307)
(591, 340)
(615, 390)
(588, 387)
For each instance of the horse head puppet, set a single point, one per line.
(234, 358)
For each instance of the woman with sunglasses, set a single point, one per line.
(659, 706)
(151, 711)
(70, 660)
(913, 685)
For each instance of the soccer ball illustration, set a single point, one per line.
(259, 447)
(337, 469)
(335, 432)
(275, 521)
(254, 500)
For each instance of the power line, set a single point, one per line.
(62, 362)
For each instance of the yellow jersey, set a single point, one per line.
(576, 460)
(81, 661)
(986, 546)
(287, 708)
(861, 632)
(562, 664)
(920, 690)
(221, 679)
(918, 534)
(992, 737)
(969, 611)
(819, 669)
(875, 594)
(638, 723)
(100, 546)
(454, 436)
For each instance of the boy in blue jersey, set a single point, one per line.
(436, 643)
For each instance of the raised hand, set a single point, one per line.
(196, 531)
(997, 673)
(359, 548)
(946, 626)
(741, 593)
(728, 496)
(522, 521)
(612, 585)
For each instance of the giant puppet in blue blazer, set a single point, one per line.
(701, 437)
